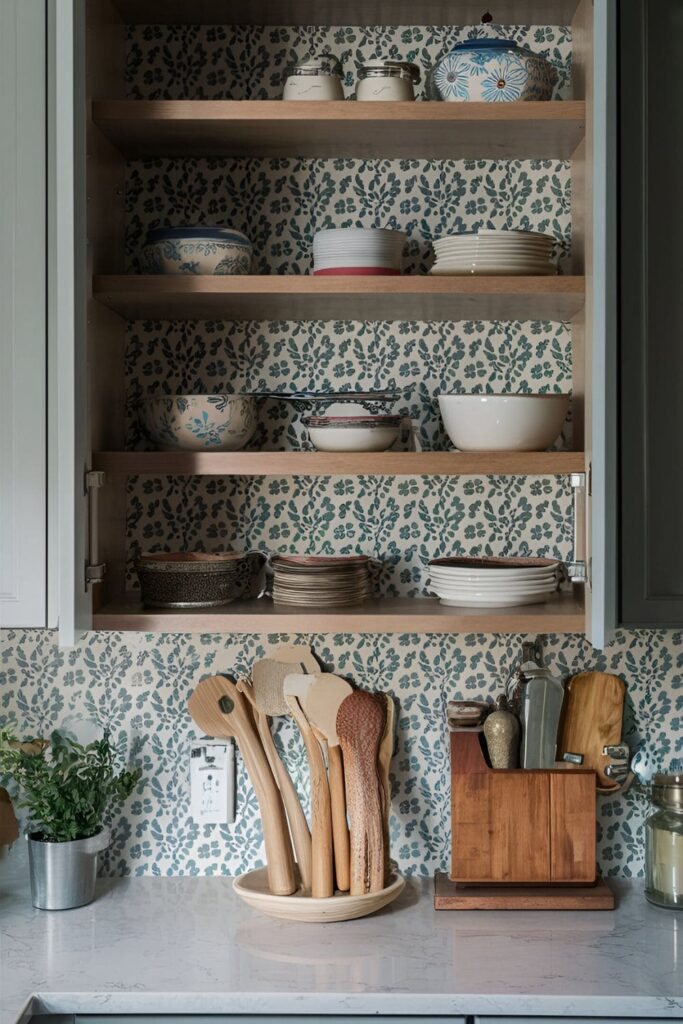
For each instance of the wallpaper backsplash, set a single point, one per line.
(137, 685)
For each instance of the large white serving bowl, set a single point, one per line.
(497, 423)
(195, 423)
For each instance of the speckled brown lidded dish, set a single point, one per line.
(194, 579)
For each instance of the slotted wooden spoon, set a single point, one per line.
(321, 702)
(360, 726)
(296, 687)
(220, 710)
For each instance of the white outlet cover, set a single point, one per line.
(212, 781)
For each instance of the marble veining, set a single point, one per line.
(187, 945)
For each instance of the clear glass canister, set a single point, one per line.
(314, 78)
(664, 843)
(387, 80)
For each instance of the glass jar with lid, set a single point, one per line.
(664, 843)
(387, 80)
(318, 77)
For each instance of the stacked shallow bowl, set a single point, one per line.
(493, 582)
(351, 251)
(320, 580)
(494, 253)
(353, 433)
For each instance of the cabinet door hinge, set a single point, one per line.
(95, 570)
(576, 567)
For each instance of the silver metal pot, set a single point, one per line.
(63, 874)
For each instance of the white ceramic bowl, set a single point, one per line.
(192, 423)
(197, 250)
(497, 423)
(353, 438)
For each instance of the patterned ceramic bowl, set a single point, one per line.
(193, 579)
(197, 251)
(195, 423)
(490, 71)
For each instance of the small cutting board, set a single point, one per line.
(592, 718)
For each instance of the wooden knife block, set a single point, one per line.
(533, 827)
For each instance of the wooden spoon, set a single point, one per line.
(322, 885)
(321, 703)
(360, 725)
(386, 752)
(220, 710)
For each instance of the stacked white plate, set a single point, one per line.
(493, 582)
(494, 253)
(319, 580)
(351, 251)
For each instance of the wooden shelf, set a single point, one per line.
(273, 128)
(341, 12)
(563, 614)
(298, 297)
(338, 463)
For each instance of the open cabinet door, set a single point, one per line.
(68, 446)
(601, 320)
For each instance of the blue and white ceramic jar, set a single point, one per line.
(492, 71)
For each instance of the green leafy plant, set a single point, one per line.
(65, 786)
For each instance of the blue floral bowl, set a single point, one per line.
(197, 423)
(492, 71)
(196, 251)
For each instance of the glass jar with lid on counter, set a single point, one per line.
(387, 80)
(664, 843)
(314, 78)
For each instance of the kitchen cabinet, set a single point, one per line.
(651, 314)
(23, 335)
(108, 130)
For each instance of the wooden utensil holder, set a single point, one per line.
(519, 826)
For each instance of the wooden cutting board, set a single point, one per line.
(592, 718)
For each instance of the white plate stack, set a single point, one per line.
(493, 582)
(354, 251)
(494, 253)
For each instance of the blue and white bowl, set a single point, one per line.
(196, 251)
(492, 71)
(198, 423)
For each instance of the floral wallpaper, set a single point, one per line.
(137, 685)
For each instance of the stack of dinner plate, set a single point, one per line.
(350, 251)
(494, 253)
(493, 582)
(319, 580)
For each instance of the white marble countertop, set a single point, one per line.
(187, 945)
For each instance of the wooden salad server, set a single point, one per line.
(360, 725)
(321, 703)
(386, 752)
(220, 710)
(295, 687)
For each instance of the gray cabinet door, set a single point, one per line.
(651, 313)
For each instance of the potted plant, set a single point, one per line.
(67, 788)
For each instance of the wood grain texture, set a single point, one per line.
(453, 463)
(592, 717)
(572, 827)
(206, 712)
(386, 752)
(563, 614)
(340, 12)
(450, 895)
(360, 725)
(273, 128)
(305, 297)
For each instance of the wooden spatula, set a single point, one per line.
(386, 752)
(220, 710)
(360, 726)
(322, 885)
(592, 718)
(321, 703)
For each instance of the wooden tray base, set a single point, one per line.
(450, 895)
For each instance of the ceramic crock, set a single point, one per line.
(492, 71)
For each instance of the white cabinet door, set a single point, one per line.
(23, 331)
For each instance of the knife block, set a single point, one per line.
(519, 826)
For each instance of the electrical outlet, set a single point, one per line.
(212, 782)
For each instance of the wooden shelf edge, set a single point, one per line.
(290, 463)
(563, 614)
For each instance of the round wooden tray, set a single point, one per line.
(253, 889)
